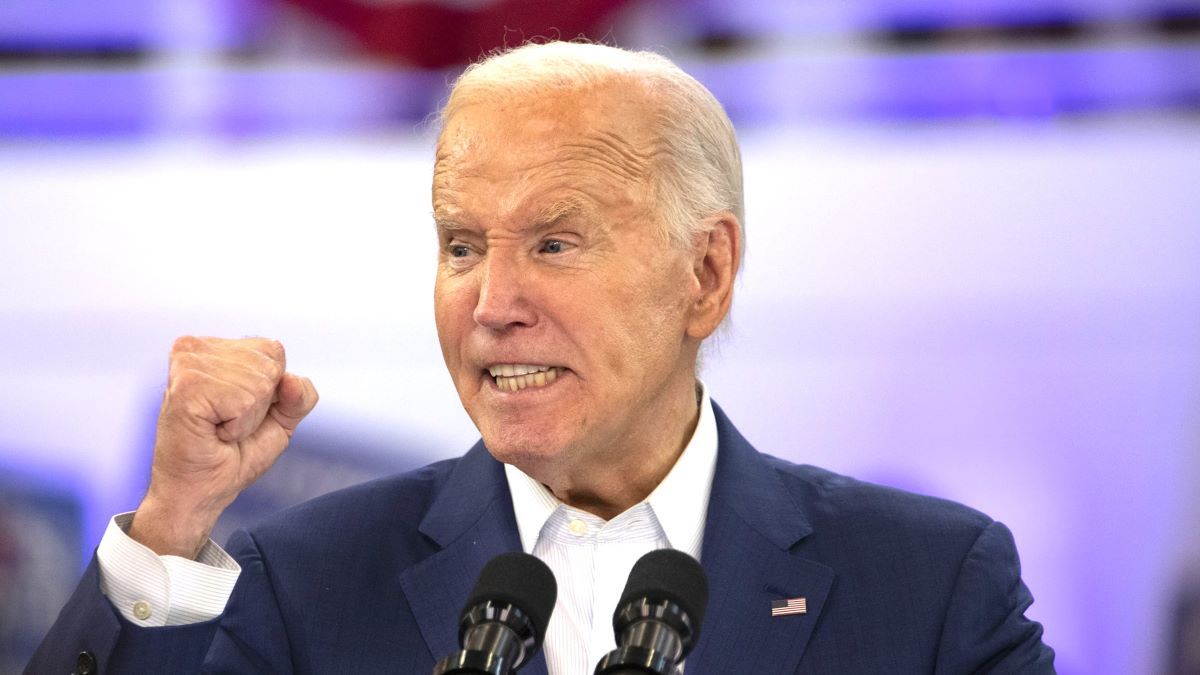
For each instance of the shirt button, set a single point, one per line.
(141, 610)
(578, 527)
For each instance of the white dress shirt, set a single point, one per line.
(163, 590)
(590, 558)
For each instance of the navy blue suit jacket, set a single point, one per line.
(371, 579)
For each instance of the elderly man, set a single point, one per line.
(588, 205)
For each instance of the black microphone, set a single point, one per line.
(658, 618)
(504, 621)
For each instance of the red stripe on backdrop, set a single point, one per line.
(435, 35)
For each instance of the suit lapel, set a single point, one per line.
(472, 520)
(752, 523)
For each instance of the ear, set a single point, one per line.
(716, 254)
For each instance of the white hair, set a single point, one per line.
(702, 173)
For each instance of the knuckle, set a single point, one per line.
(274, 349)
(186, 360)
(193, 407)
(183, 380)
(246, 402)
(272, 372)
(264, 387)
(184, 344)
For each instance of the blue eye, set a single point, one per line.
(459, 251)
(552, 246)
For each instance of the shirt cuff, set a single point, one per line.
(153, 590)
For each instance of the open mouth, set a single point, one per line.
(518, 376)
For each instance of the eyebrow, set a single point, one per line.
(557, 212)
(546, 218)
(446, 225)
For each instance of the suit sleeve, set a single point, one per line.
(985, 629)
(90, 628)
(248, 638)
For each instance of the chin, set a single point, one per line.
(515, 449)
(521, 448)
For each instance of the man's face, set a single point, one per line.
(553, 264)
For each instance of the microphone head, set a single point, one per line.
(667, 574)
(518, 579)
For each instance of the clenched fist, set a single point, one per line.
(229, 411)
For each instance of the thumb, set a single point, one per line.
(296, 398)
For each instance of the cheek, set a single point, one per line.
(645, 325)
(663, 291)
(452, 311)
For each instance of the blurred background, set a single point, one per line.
(973, 266)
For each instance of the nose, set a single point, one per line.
(503, 301)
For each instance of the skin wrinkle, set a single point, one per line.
(629, 164)
(661, 98)
(595, 233)
(602, 148)
(569, 169)
(615, 152)
(607, 163)
(557, 213)
(578, 184)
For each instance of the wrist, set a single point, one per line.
(172, 529)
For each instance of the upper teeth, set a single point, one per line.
(513, 369)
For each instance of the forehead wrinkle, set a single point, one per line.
(582, 172)
(614, 154)
(442, 192)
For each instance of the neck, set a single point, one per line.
(620, 477)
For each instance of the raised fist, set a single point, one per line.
(229, 411)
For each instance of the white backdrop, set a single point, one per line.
(1008, 317)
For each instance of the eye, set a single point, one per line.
(553, 246)
(459, 250)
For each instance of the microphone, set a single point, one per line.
(504, 621)
(658, 618)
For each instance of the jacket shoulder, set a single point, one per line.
(854, 508)
(948, 573)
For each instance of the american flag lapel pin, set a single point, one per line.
(789, 606)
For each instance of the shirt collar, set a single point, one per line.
(677, 503)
